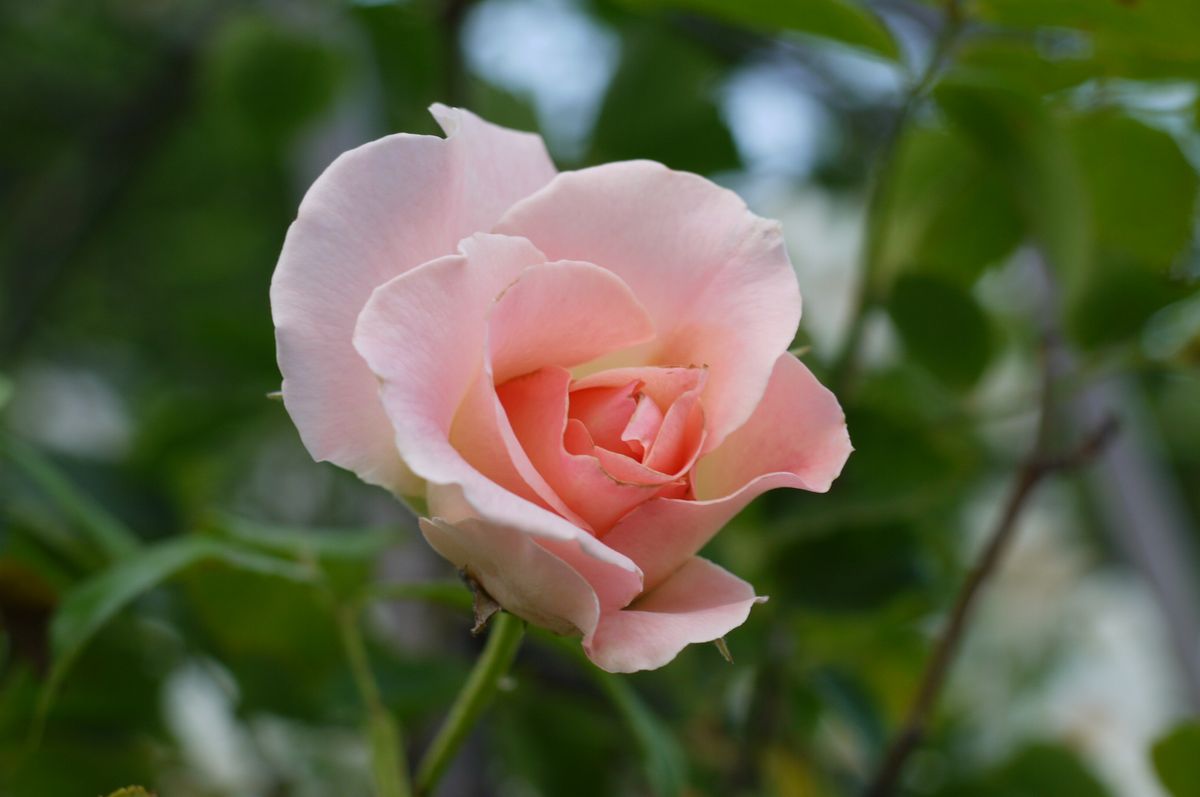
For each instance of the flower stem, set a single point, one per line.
(388, 768)
(477, 692)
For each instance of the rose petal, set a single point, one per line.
(700, 602)
(558, 314)
(376, 212)
(714, 277)
(613, 578)
(423, 336)
(606, 413)
(536, 405)
(643, 425)
(522, 576)
(796, 438)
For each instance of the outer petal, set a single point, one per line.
(700, 602)
(715, 278)
(377, 212)
(523, 577)
(423, 335)
(796, 438)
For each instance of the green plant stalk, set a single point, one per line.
(477, 692)
(871, 287)
(388, 768)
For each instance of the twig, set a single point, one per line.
(845, 368)
(1039, 465)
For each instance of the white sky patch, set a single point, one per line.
(778, 127)
(550, 51)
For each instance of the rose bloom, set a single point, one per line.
(584, 374)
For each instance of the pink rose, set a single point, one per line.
(584, 374)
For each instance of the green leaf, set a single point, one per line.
(661, 105)
(1026, 144)
(131, 791)
(1040, 769)
(304, 544)
(949, 210)
(87, 607)
(1149, 39)
(1111, 303)
(842, 21)
(108, 535)
(271, 78)
(876, 563)
(1142, 188)
(942, 327)
(1176, 759)
(662, 756)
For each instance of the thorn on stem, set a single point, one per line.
(485, 605)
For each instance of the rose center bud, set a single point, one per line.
(610, 441)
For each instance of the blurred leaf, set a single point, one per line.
(1110, 304)
(6, 391)
(942, 327)
(1176, 758)
(1142, 187)
(272, 78)
(104, 532)
(661, 105)
(1130, 38)
(854, 568)
(842, 21)
(662, 756)
(131, 791)
(406, 45)
(1025, 142)
(1040, 769)
(307, 544)
(87, 607)
(949, 209)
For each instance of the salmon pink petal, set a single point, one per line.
(606, 413)
(796, 438)
(643, 426)
(546, 317)
(377, 212)
(536, 405)
(714, 277)
(700, 602)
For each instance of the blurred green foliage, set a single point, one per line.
(170, 592)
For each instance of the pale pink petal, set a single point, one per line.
(523, 577)
(423, 336)
(377, 212)
(613, 578)
(796, 438)
(700, 602)
(798, 428)
(562, 314)
(714, 277)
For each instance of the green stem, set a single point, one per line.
(388, 768)
(870, 287)
(476, 693)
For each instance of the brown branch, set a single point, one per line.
(1037, 467)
